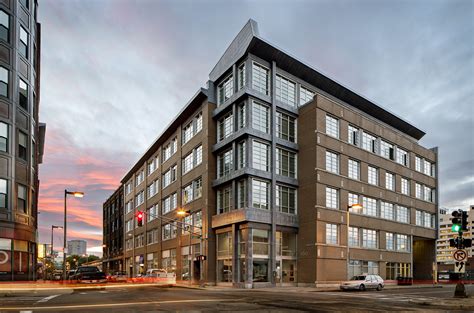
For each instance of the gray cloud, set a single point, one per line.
(114, 73)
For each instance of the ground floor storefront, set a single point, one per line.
(17, 260)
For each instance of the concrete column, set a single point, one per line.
(248, 281)
(235, 255)
(272, 237)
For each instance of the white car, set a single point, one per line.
(363, 282)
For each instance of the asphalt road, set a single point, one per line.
(154, 299)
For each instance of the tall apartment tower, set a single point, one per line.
(266, 161)
(21, 137)
(77, 247)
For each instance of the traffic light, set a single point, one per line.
(467, 243)
(453, 242)
(464, 221)
(140, 215)
(456, 220)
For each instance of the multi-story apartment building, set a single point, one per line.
(77, 247)
(21, 137)
(266, 160)
(112, 258)
(444, 253)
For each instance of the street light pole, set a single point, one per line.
(76, 194)
(52, 230)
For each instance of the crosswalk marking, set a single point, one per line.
(46, 299)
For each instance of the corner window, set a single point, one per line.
(260, 78)
(260, 194)
(286, 199)
(22, 145)
(241, 79)
(260, 117)
(225, 89)
(260, 156)
(3, 81)
(4, 26)
(306, 95)
(285, 163)
(22, 199)
(286, 127)
(23, 94)
(285, 91)
(331, 234)
(3, 137)
(23, 44)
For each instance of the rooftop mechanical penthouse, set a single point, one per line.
(266, 164)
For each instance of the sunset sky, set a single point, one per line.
(115, 72)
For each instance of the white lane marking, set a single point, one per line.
(82, 293)
(26, 311)
(103, 291)
(65, 307)
(47, 299)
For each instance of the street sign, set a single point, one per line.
(460, 267)
(460, 255)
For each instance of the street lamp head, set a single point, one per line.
(77, 194)
(182, 212)
(355, 206)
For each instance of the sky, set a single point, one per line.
(114, 73)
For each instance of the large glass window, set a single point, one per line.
(242, 194)
(22, 145)
(23, 44)
(331, 234)
(354, 240)
(386, 210)
(225, 89)
(402, 214)
(4, 26)
(261, 156)
(285, 90)
(241, 78)
(4, 81)
(352, 198)
(260, 194)
(224, 200)
(22, 202)
(224, 163)
(332, 126)
(192, 191)
(419, 191)
(389, 181)
(402, 243)
(418, 163)
(169, 203)
(286, 199)
(224, 257)
(354, 169)
(373, 175)
(260, 244)
(332, 162)
(306, 95)
(260, 78)
(286, 127)
(3, 137)
(168, 231)
(405, 186)
(353, 135)
(369, 238)
(241, 115)
(241, 154)
(260, 117)
(386, 150)
(332, 198)
(168, 260)
(389, 242)
(170, 149)
(225, 126)
(369, 142)
(402, 157)
(3, 193)
(369, 206)
(286, 163)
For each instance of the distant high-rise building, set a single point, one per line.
(21, 138)
(76, 247)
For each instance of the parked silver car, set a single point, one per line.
(363, 282)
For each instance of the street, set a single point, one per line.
(152, 299)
